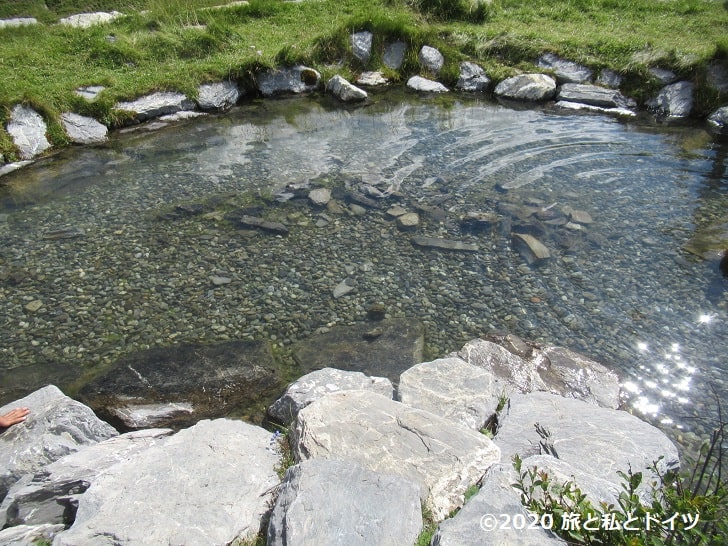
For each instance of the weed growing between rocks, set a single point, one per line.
(685, 509)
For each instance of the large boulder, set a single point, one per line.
(453, 389)
(292, 80)
(28, 130)
(315, 385)
(50, 496)
(442, 457)
(330, 502)
(156, 105)
(83, 129)
(208, 484)
(674, 100)
(527, 87)
(179, 385)
(55, 427)
(394, 54)
(431, 59)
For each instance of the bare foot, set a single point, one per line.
(13, 417)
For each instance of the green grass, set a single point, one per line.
(178, 44)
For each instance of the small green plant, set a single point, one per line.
(691, 509)
(281, 442)
(429, 526)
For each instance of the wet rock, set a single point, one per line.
(329, 502)
(472, 78)
(247, 221)
(69, 232)
(213, 379)
(376, 312)
(444, 244)
(55, 427)
(223, 470)
(315, 385)
(282, 81)
(33, 306)
(320, 196)
(10, 167)
(453, 389)
(218, 96)
(343, 288)
(674, 100)
(361, 45)
(718, 121)
(372, 79)
(156, 105)
(479, 221)
(527, 87)
(565, 71)
(399, 347)
(423, 85)
(82, 129)
(28, 131)
(591, 94)
(345, 91)
(440, 456)
(139, 416)
(431, 59)
(531, 248)
(409, 221)
(393, 56)
(85, 20)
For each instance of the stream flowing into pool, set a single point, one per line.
(98, 257)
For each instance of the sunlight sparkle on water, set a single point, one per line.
(706, 318)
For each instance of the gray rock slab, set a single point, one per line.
(361, 45)
(156, 104)
(598, 441)
(530, 248)
(609, 78)
(345, 91)
(431, 59)
(591, 94)
(29, 535)
(28, 130)
(292, 80)
(56, 426)
(83, 129)
(717, 76)
(718, 121)
(85, 20)
(674, 100)
(472, 525)
(315, 385)
(332, 502)
(18, 22)
(527, 87)
(423, 85)
(372, 79)
(208, 484)
(218, 96)
(397, 346)
(138, 416)
(11, 167)
(440, 456)
(444, 244)
(394, 53)
(453, 389)
(472, 78)
(47, 496)
(567, 105)
(565, 71)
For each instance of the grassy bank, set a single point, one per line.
(178, 44)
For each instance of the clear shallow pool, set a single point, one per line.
(85, 235)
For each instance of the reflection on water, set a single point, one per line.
(618, 286)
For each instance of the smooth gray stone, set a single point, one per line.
(320, 196)
(444, 244)
(442, 457)
(418, 83)
(29, 535)
(591, 94)
(609, 78)
(82, 129)
(208, 484)
(453, 389)
(361, 45)
(472, 78)
(315, 385)
(674, 100)
(293, 80)
(718, 120)
(431, 59)
(28, 131)
(565, 71)
(527, 87)
(394, 53)
(156, 104)
(331, 503)
(218, 96)
(56, 426)
(344, 90)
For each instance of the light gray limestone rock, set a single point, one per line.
(361, 45)
(372, 79)
(597, 441)
(394, 53)
(674, 100)
(49, 495)
(29, 535)
(592, 94)
(319, 383)
(18, 22)
(320, 196)
(718, 120)
(609, 78)
(218, 96)
(431, 59)
(440, 456)
(565, 71)
(156, 104)
(332, 502)
(83, 129)
(472, 78)
(344, 90)
(292, 80)
(56, 426)
(208, 484)
(418, 83)
(527, 87)
(85, 20)
(453, 389)
(472, 526)
(28, 131)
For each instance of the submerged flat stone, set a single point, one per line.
(444, 244)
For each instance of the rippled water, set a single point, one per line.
(620, 289)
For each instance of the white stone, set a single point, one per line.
(82, 129)
(28, 131)
(431, 59)
(85, 20)
(418, 83)
(344, 90)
